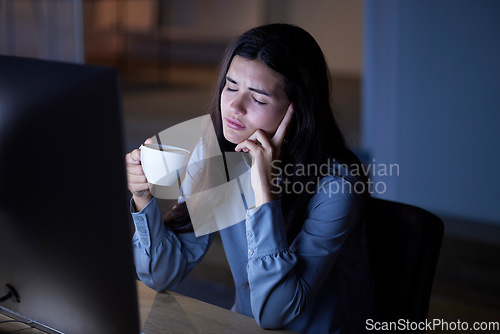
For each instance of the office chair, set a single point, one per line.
(404, 243)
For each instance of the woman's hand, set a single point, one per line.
(264, 151)
(136, 180)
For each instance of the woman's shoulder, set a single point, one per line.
(352, 172)
(342, 172)
(342, 183)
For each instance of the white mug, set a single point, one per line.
(162, 164)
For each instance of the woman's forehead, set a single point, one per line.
(255, 72)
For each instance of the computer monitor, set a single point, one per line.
(65, 233)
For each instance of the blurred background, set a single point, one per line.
(415, 85)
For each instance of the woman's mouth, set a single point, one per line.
(234, 124)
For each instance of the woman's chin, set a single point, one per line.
(234, 138)
(233, 141)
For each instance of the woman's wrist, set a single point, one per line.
(264, 196)
(142, 201)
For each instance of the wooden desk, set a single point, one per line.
(171, 312)
(175, 313)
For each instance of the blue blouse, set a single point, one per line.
(320, 283)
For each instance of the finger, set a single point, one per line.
(280, 134)
(242, 147)
(149, 141)
(260, 138)
(135, 156)
(130, 160)
(135, 169)
(137, 187)
(136, 179)
(247, 146)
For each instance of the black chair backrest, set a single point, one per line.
(404, 243)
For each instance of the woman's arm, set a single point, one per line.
(283, 279)
(162, 257)
(265, 151)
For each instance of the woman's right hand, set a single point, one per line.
(136, 180)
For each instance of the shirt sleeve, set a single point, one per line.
(162, 257)
(284, 278)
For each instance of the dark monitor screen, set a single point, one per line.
(65, 236)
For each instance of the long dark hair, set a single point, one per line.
(313, 135)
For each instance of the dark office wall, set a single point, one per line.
(431, 103)
(45, 29)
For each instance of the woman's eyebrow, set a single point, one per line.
(228, 78)
(259, 91)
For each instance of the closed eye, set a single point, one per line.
(257, 101)
(230, 81)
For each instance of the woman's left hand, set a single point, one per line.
(264, 151)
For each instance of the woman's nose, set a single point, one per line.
(237, 105)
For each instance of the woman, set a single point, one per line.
(299, 260)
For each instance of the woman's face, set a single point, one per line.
(253, 98)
